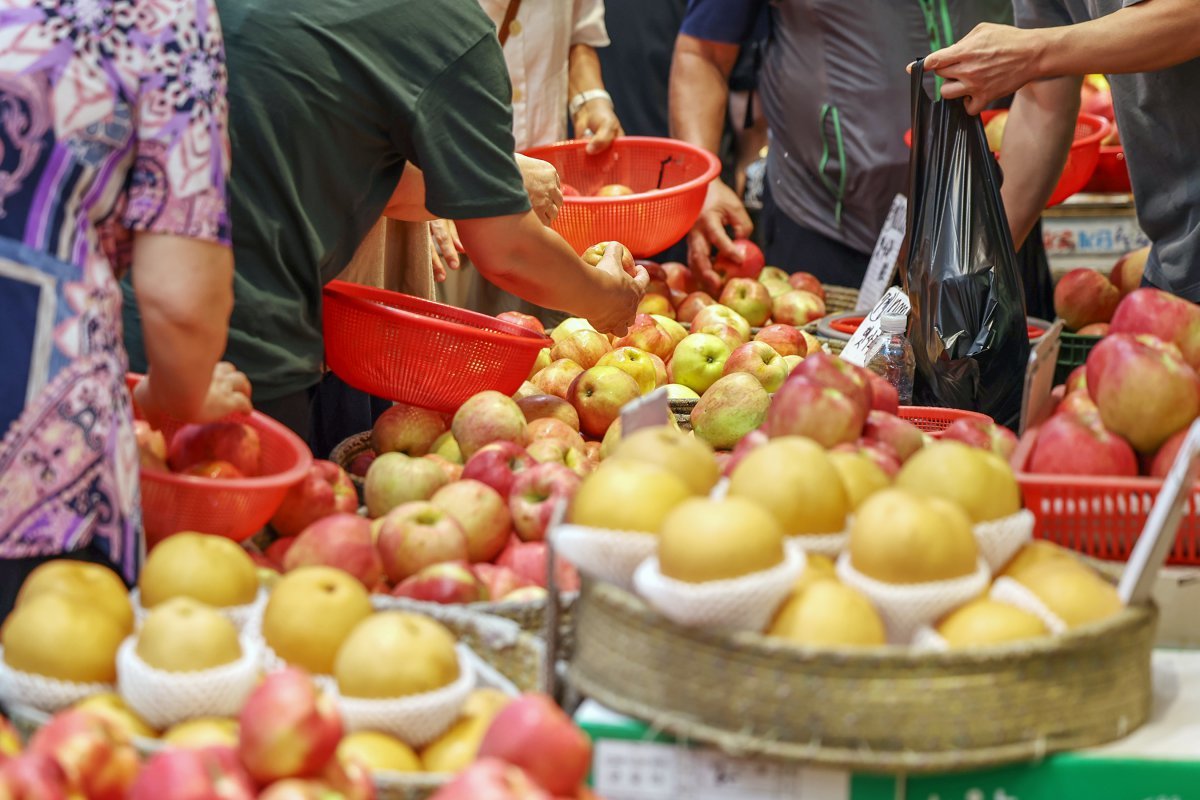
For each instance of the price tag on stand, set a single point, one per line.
(1039, 378)
(882, 267)
(1158, 535)
(894, 301)
(650, 411)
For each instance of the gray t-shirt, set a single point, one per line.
(1158, 114)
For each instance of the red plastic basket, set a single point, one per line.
(1100, 517)
(1112, 173)
(419, 352)
(934, 420)
(1090, 130)
(669, 179)
(849, 326)
(236, 508)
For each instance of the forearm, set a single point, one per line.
(1037, 138)
(583, 69)
(408, 201)
(525, 258)
(699, 91)
(1149, 36)
(184, 291)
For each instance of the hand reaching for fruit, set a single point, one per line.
(598, 117)
(228, 393)
(445, 247)
(630, 281)
(721, 207)
(543, 186)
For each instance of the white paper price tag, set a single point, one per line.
(894, 301)
(1039, 378)
(882, 267)
(1137, 581)
(650, 411)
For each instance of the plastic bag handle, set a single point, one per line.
(918, 155)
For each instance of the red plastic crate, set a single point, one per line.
(933, 420)
(1100, 517)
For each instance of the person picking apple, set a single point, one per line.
(1150, 50)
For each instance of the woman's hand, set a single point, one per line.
(621, 302)
(598, 117)
(228, 393)
(543, 186)
(444, 247)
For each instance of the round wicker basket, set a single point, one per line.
(879, 709)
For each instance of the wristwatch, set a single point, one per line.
(583, 98)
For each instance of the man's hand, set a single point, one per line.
(721, 207)
(990, 62)
(444, 247)
(228, 393)
(627, 292)
(598, 117)
(543, 186)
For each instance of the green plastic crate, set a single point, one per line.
(1072, 353)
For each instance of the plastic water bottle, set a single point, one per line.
(894, 359)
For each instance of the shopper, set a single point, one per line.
(115, 155)
(329, 101)
(1151, 52)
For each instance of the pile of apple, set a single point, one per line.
(1086, 300)
(1127, 410)
(220, 450)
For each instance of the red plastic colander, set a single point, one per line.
(236, 508)
(1082, 158)
(669, 179)
(933, 420)
(1112, 173)
(420, 352)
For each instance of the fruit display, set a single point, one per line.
(219, 450)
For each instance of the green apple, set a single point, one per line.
(677, 391)
(676, 331)
(699, 361)
(635, 363)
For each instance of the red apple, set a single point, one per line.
(614, 190)
(556, 378)
(748, 444)
(277, 550)
(528, 560)
(214, 470)
(984, 434)
(533, 733)
(805, 408)
(1143, 388)
(1164, 315)
(692, 304)
(807, 282)
(1127, 273)
(491, 779)
(1067, 446)
(97, 757)
(350, 779)
(599, 394)
(884, 396)
(647, 334)
(485, 418)
(722, 315)
(594, 253)
(1084, 296)
(787, 340)
(557, 451)
(499, 581)
(759, 360)
(406, 429)
(35, 776)
(481, 512)
(361, 463)
(552, 429)
(288, 728)
(830, 371)
(295, 789)
(1164, 459)
(447, 583)
(1077, 380)
(797, 307)
(325, 490)
(656, 303)
(342, 541)
(453, 471)
(1079, 404)
(534, 495)
(900, 434)
(207, 773)
(417, 535)
(749, 298)
(570, 191)
(1095, 329)
(234, 442)
(395, 479)
(543, 406)
(751, 265)
(526, 321)
(584, 347)
(498, 465)
(679, 277)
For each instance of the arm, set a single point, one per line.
(596, 115)
(522, 256)
(995, 60)
(1041, 125)
(184, 290)
(699, 92)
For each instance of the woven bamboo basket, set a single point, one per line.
(886, 709)
(839, 299)
(347, 451)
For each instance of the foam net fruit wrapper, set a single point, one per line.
(164, 698)
(42, 693)
(829, 545)
(607, 555)
(1000, 539)
(417, 719)
(906, 607)
(1007, 590)
(926, 639)
(745, 603)
(241, 616)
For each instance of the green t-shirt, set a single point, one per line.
(328, 101)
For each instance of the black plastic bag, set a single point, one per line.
(968, 327)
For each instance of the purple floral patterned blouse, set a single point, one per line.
(112, 121)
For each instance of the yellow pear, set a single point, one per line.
(396, 654)
(985, 621)
(110, 706)
(900, 537)
(829, 613)
(976, 480)
(456, 749)
(203, 732)
(485, 702)
(689, 458)
(628, 496)
(182, 635)
(1076, 596)
(861, 476)
(60, 636)
(710, 540)
(1036, 552)
(310, 613)
(92, 583)
(378, 752)
(794, 479)
(212, 569)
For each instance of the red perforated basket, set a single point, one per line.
(1082, 158)
(419, 352)
(669, 179)
(1100, 517)
(1112, 173)
(933, 420)
(235, 508)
